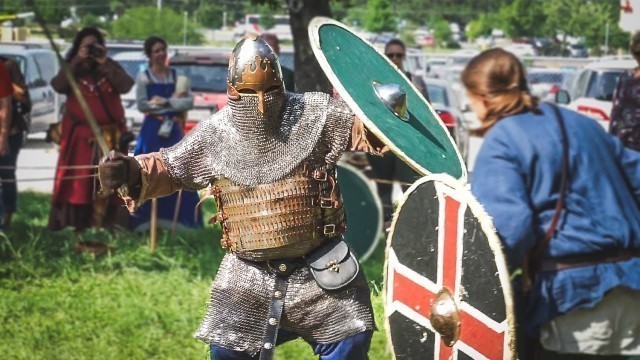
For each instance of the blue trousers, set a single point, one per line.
(354, 347)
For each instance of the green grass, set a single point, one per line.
(126, 304)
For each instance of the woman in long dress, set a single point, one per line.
(101, 80)
(164, 96)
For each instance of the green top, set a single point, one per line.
(422, 138)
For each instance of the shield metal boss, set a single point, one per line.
(363, 209)
(447, 286)
(376, 91)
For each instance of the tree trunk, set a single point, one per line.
(308, 73)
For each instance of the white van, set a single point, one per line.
(251, 24)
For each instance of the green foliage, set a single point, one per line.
(140, 22)
(267, 21)
(126, 304)
(379, 16)
(618, 39)
(91, 20)
(521, 18)
(209, 16)
(482, 26)
(441, 31)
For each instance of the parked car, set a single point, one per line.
(592, 90)
(521, 49)
(133, 62)
(576, 51)
(436, 67)
(457, 63)
(252, 24)
(38, 65)
(446, 103)
(207, 72)
(545, 82)
(115, 47)
(415, 62)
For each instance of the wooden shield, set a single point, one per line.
(441, 238)
(363, 208)
(358, 71)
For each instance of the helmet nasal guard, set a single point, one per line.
(254, 69)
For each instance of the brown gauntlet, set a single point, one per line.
(117, 170)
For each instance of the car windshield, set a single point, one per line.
(438, 94)
(602, 84)
(205, 77)
(545, 78)
(133, 67)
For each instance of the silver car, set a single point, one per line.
(38, 65)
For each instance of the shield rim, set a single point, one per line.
(377, 203)
(314, 38)
(494, 243)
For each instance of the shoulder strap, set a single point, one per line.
(532, 260)
(149, 78)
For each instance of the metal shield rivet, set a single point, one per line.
(282, 267)
(268, 345)
(277, 295)
(393, 97)
(273, 321)
(445, 317)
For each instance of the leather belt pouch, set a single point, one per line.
(332, 264)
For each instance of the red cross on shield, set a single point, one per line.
(437, 242)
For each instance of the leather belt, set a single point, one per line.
(571, 262)
(282, 269)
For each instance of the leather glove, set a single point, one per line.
(125, 139)
(116, 170)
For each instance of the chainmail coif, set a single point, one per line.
(240, 150)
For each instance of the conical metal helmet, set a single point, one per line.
(254, 69)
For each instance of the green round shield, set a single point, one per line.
(363, 208)
(385, 100)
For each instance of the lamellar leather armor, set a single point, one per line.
(278, 198)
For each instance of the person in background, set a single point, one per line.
(164, 96)
(6, 92)
(287, 74)
(625, 113)
(21, 107)
(577, 240)
(390, 168)
(396, 51)
(75, 201)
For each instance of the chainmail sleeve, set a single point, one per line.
(188, 162)
(337, 129)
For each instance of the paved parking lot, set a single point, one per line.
(36, 161)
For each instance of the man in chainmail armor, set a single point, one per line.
(269, 161)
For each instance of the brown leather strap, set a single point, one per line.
(588, 259)
(532, 261)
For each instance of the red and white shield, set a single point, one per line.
(441, 238)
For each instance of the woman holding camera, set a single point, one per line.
(101, 80)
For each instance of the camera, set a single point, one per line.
(94, 50)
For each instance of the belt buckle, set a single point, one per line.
(319, 175)
(326, 203)
(329, 229)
